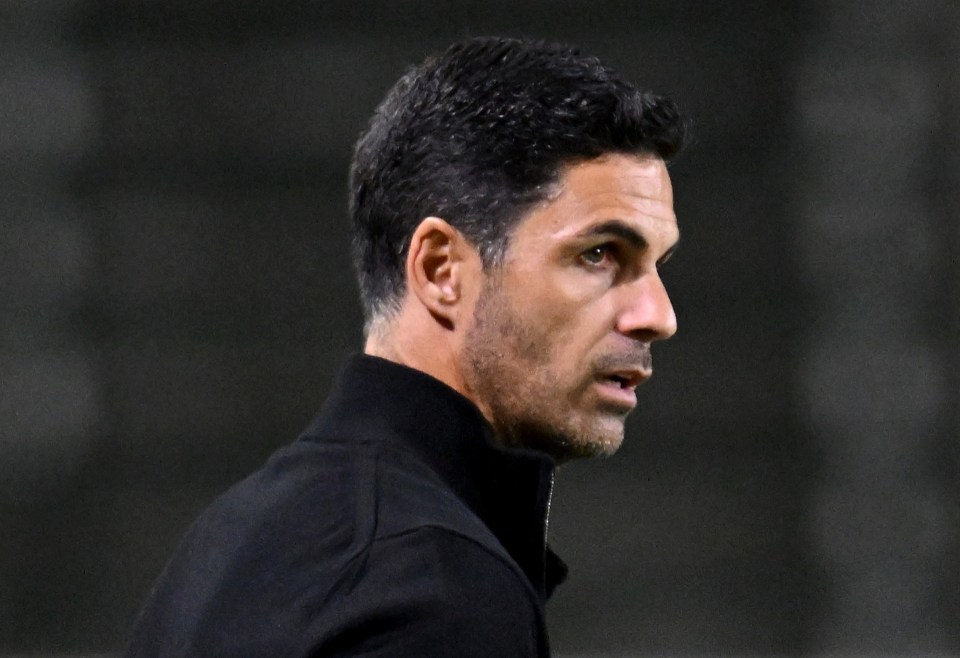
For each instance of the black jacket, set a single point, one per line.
(393, 527)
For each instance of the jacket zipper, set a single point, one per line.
(546, 518)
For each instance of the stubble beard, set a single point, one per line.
(513, 371)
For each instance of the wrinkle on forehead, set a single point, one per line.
(613, 187)
(644, 177)
(650, 169)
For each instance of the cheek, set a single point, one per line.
(575, 337)
(580, 320)
(568, 313)
(558, 299)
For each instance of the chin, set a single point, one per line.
(604, 436)
(564, 435)
(592, 442)
(602, 448)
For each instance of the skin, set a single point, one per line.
(551, 343)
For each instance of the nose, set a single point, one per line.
(647, 313)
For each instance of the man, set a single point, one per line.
(512, 207)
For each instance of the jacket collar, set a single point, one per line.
(508, 489)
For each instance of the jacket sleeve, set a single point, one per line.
(432, 593)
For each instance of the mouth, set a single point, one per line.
(619, 388)
(627, 379)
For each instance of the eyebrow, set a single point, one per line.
(618, 228)
(625, 232)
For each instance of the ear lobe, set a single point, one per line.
(435, 268)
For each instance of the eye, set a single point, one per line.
(666, 257)
(596, 255)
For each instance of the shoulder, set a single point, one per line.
(334, 546)
(285, 533)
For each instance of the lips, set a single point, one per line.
(628, 379)
(617, 375)
(618, 388)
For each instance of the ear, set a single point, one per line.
(440, 262)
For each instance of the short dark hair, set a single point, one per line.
(476, 135)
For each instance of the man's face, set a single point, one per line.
(562, 330)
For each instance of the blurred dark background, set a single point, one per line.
(176, 294)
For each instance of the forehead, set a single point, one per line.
(633, 189)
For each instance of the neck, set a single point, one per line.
(421, 345)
